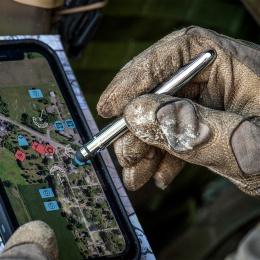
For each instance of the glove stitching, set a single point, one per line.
(231, 53)
(244, 175)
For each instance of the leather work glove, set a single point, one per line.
(213, 121)
(34, 240)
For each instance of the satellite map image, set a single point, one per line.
(38, 142)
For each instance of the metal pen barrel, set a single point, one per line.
(113, 131)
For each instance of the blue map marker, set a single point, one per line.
(51, 205)
(46, 193)
(70, 123)
(78, 162)
(35, 93)
(22, 141)
(59, 126)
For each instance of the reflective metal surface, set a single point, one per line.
(113, 131)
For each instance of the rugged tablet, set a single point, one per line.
(41, 127)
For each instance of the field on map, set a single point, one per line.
(9, 169)
(31, 169)
(18, 205)
(18, 103)
(18, 100)
(34, 203)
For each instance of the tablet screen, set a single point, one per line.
(39, 139)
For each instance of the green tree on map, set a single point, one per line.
(4, 109)
(6, 143)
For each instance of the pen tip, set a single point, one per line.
(78, 162)
(79, 158)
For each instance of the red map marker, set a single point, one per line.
(34, 146)
(49, 149)
(38, 148)
(20, 155)
(41, 149)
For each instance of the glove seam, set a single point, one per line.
(232, 133)
(245, 175)
(232, 53)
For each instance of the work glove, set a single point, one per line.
(213, 121)
(34, 240)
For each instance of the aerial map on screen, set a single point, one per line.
(38, 141)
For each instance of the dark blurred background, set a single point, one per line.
(200, 215)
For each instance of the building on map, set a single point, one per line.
(59, 104)
(99, 200)
(83, 234)
(49, 156)
(52, 94)
(50, 109)
(3, 130)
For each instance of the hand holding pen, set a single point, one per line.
(113, 131)
(214, 122)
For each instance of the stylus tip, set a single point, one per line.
(79, 158)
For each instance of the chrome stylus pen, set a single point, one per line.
(113, 131)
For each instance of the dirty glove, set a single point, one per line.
(213, 122)
(34, 240)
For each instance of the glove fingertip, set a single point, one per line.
(136, 176)
(168, 169)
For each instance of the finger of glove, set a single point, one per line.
(145, 71)
(168, 169)
(191, 132)
(141, 161)
(222, 86)
(137, 175)
(129, 149)
(180, 130)
(36, 233)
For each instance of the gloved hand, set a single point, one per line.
(34, 240)
(213, 121)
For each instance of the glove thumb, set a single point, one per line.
(196, 134)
